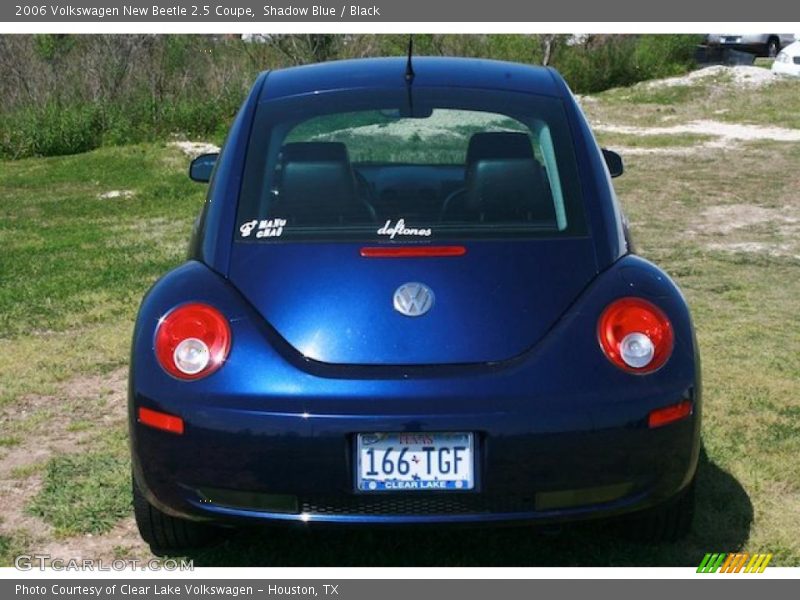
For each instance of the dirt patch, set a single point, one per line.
(738, 220)
(122, 541)
(670, 150)
(114, 194)
(725, 219)
(740, 76)
(765, 248)
(726, 132)
(15, 493)
(50, 429)
(50, 418)
(195, 148)
(727, 136)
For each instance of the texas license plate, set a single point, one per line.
(415, 461)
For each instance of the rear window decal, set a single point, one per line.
(265, 228)
(247, 228)
(401, 229)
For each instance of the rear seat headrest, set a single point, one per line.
(314, 152)
(509, 190)
(317, 186)
(498, 145)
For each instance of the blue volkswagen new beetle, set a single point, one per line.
(411, 298)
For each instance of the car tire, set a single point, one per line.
(773, 47)
(165, 533)
(669, 522)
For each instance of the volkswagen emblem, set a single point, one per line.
(413, 299)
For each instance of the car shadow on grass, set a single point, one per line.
(722, 524)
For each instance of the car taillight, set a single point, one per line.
(159, 420)
(669, 414)
(635, 335)
(192, 341)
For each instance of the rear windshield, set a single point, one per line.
(409, 165)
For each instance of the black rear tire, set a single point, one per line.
(164, 533)
(670, 522)
(773, 47)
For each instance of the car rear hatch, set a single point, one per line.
(490, 304)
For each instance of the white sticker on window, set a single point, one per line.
(270, 228)
(264, 228)
(247, 228)
(401, 229)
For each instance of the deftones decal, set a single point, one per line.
(401, 229)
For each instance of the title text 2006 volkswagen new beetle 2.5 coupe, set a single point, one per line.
(410, 298)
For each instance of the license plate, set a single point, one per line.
(415, 461)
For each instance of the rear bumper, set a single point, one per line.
(745, 46)
(236, 467)
(754, 45)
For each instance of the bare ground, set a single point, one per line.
(742, 77)
(50, 432)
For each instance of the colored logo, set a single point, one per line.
(734, 562)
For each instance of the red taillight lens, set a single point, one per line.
(635, 335)
(192, 341)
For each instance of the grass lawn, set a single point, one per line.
(75, 263)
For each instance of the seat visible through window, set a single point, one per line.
(317, 186)
(504, 182)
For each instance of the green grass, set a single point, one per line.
(651, 141)
(12, 546)
(9, 441)
(777, 105)
(28, 470)
(716, 98)
(71, 259)
(74, 268)
(676, 94)
(86, 492)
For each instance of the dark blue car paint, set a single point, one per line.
(550, 414)
(507, 294)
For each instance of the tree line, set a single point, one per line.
(65, 94)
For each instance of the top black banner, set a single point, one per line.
(320, 11)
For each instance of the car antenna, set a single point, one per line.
(410, 75)
(409, 66)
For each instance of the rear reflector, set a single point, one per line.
(159, 420)
(412, 251)
(669, 414)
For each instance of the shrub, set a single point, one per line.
(615, 61)
(665, 55)
(51, 130)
